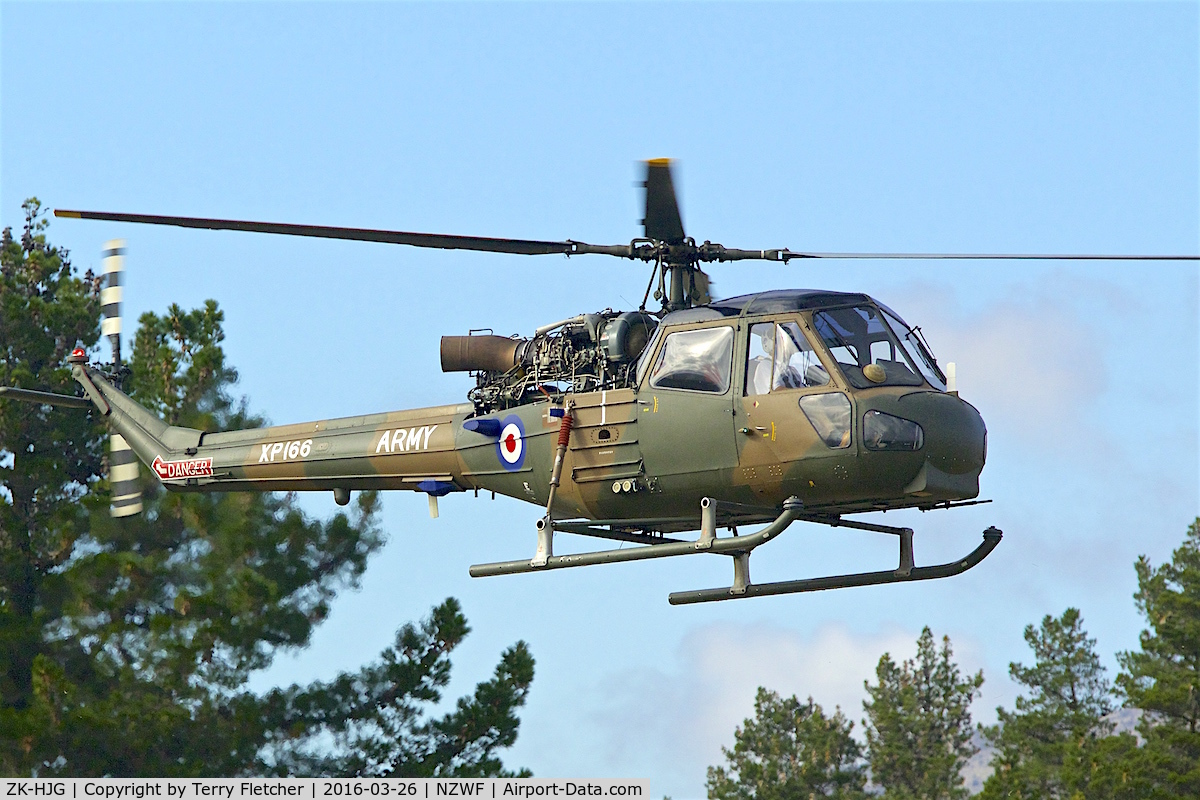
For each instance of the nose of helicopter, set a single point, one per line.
(955, 436)
(955, 444)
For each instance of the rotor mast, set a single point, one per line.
(663, 225)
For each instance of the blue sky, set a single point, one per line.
(1066, 127)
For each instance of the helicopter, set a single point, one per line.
(704, 416)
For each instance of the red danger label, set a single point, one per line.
(188, 468)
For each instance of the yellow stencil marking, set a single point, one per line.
(770, 435)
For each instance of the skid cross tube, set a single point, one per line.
(730, 545)
(991, 538)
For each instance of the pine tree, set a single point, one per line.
(1163, 678)
(790, 750)
(47, 461)
(918, 724)
(1047, 747)
(125, 644)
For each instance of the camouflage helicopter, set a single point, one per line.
(707, 415)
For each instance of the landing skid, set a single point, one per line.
(991, 538)
(739, 549)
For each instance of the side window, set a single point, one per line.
(760, 361)
(781, 358)
(697, 360)
(829, 413)
(796, 365)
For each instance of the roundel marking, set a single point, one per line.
(510, 447)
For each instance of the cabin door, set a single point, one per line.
(685, 409)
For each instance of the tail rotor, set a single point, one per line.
(111, 295)
(123, 474)
(123, 479)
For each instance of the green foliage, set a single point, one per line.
(1057, 742)
(375, 720)
(790, 750)
(178, 369)
(1163, 678)
(47, 459)
(1115, 768)
(919, 723)
(125, 643)
(1048, 747)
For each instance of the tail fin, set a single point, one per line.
(145, 434)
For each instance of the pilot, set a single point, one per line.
(758, 368)
(777, 367)
(786, 375)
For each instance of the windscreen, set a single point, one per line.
(917, 350)
(868, 353)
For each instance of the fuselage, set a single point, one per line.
(825, 396)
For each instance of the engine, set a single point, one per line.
(582, 354)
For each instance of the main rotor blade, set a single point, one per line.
(787, 255)
(665, 227)
(715, 252)
(436, 240)
(662, 221)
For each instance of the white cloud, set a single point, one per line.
(674, 718)
(1030, 362)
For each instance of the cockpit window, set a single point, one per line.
(781, 358)
(866, 351)
(699, 360)
(911, 340)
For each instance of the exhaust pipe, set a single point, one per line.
(481, 353)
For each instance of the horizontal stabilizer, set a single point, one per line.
(44, 398)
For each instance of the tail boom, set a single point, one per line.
(394, 450)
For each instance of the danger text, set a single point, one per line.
(178, 470)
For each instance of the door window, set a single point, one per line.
(781, 358)
(699, 360)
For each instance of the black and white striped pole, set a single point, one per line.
(110, 295)
(122, 463)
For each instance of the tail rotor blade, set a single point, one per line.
(123, 478)
(111, 295)
(662, 221)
